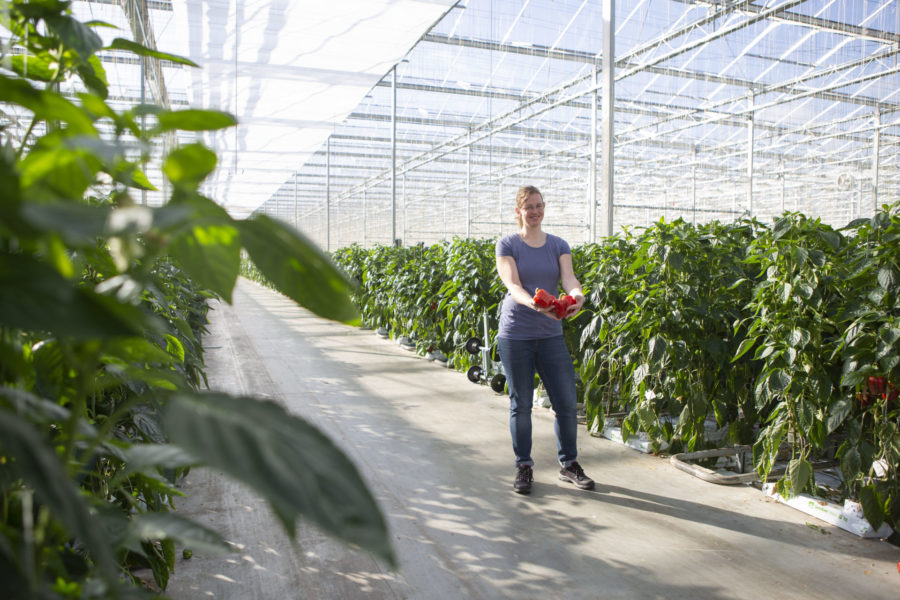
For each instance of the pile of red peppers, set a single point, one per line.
(544, 299)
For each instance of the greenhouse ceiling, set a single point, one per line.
(366, 121)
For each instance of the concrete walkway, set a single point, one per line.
(435, 450)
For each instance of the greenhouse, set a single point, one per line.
(281, 318)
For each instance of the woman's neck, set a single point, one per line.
(531, 234)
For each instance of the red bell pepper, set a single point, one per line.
(876, 385)
(562, 305)
(543, 298)
(892, 393)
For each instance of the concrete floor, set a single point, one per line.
(435, 450)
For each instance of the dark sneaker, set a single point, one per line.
(575, 474)
(524, 477)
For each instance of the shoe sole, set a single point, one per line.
(588, 486)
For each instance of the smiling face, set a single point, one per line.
(531, 210)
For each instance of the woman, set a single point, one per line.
(531, 339)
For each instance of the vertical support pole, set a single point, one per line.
(876, 150)
(394, 154)
(500, 207)
(328, 194)
(365, 218)
(750, 131)
(296, 205)
(783, 180)
(694, 186)
(469, 188)
(592, 179)
(403, 202)
(143, 123)
(609, 78)
(404, 206)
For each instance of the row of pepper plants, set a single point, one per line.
(103, 309)
(783, 337)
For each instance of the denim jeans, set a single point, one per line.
(550, 358)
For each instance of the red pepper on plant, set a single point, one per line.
(863, 398)
(876, 385)
(892, 393)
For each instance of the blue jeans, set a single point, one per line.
(550, 358)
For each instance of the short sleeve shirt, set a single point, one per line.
(538, 268)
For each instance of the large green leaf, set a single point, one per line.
(34, 297)
(45, 105)
(75, 34)
(123, 44)
(205, 242)
(193, 120)
(298, 268)
(871, 505)
(78, 224)
(38, 466)
(167, 526)
(298, 470)
(188, 165)
(211, 255)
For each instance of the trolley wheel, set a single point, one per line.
(473, 345)
(474, 374)
(498, 382)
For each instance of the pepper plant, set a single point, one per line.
(791, 328)
(102, 309)
(867, 411)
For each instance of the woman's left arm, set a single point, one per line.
(570, 283)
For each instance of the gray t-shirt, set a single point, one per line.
(538, 268)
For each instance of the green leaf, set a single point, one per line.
(137, 350)
(852, 379)
(211, 254)
(745, 347)
(39, 67)
(298, 470)
(779, 380)
(37, 465)
(871, 506)
(123, 44)
(182, 531)
(837, 412)
(140, 457)
(55, 168)
(45, 105)
(850, 463)
(887, 277)
(93, 75)
(832, 238)
(78, 224)
(798, 338)
(298, 268)
(193, 120)
(189, 165)
(34, 297)
(657, 348)
(75, 34)
(800, 472)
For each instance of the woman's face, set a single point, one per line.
(532, 211)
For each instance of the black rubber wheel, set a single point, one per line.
(474, 374)
(498, 382)
(473, 345)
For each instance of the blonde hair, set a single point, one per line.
(522, 197)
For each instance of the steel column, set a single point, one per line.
(876, 150)
(609, 78)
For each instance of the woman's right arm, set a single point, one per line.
(509, 274)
